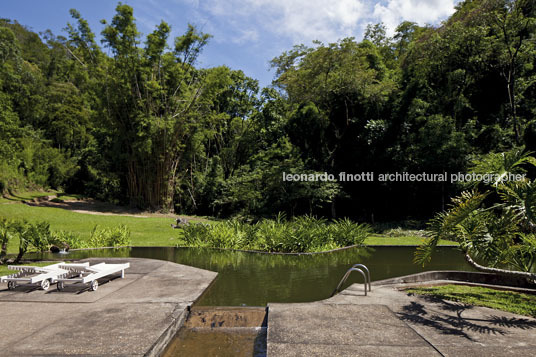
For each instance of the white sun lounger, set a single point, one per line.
(89, 274)
(34, 275)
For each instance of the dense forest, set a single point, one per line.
(134, 120)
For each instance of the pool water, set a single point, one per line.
(254, 279)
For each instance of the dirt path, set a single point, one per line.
(89, 206)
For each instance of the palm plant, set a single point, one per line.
(496, 227)
(500, 165)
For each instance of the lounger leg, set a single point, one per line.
(123, 274)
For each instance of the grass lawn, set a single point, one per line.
(518, 303)
(377, 239)
(145, 231)
(150, 231)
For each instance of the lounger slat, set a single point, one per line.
(94, 272)
(49, 272)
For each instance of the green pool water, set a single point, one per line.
(254, 279)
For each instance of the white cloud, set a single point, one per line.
(300, 20)
(419, 11)
(245, 36)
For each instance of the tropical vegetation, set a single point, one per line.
(133, 119)
(298, 235)
(494, 224)
(39, 237)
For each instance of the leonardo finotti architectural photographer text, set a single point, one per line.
(402, 177)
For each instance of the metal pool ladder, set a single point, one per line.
(355, 267)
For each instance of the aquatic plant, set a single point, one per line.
(109, 237)
(297, 235)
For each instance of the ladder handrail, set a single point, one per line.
(355, 267)
(368, 273)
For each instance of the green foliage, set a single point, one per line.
(496, 227)
(69, 240)
(346, 232)
(448, 225)
(502, 164)
(32, 236)
(150, 231)
(5, 236)
(109, 237)
(37, 236)
(298, 235)
(142, 124)
(522, 254)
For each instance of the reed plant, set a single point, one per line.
(297, 235)
(109, 237)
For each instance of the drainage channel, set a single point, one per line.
(221, 331)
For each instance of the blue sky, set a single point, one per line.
(247, 33)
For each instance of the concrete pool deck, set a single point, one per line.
(135, 316)
(389, 322)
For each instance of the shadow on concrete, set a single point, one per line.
(513, 322)
(446, 318)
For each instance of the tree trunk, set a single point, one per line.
(512, 273)
(333, 210)
(19, 256)
(512, 99)
(3, 251)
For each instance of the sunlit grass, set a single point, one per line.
(148, 231)
(378, 239)
(511, 301)
(145, 231)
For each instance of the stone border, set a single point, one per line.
(162, 343)
(286, 253)
(248, 251)
(460, 276)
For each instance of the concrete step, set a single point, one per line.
(221, 331)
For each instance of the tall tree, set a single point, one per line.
(513, 26)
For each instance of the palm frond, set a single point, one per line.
(445, 225)
(500, 165)
(523, 255)
(520, 197)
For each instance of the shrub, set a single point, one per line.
(301, 234)
(39, 237)
(32, 236)
(271, 236)
(194, 235)
(109, 237)
(63, 239)
(346, 232)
